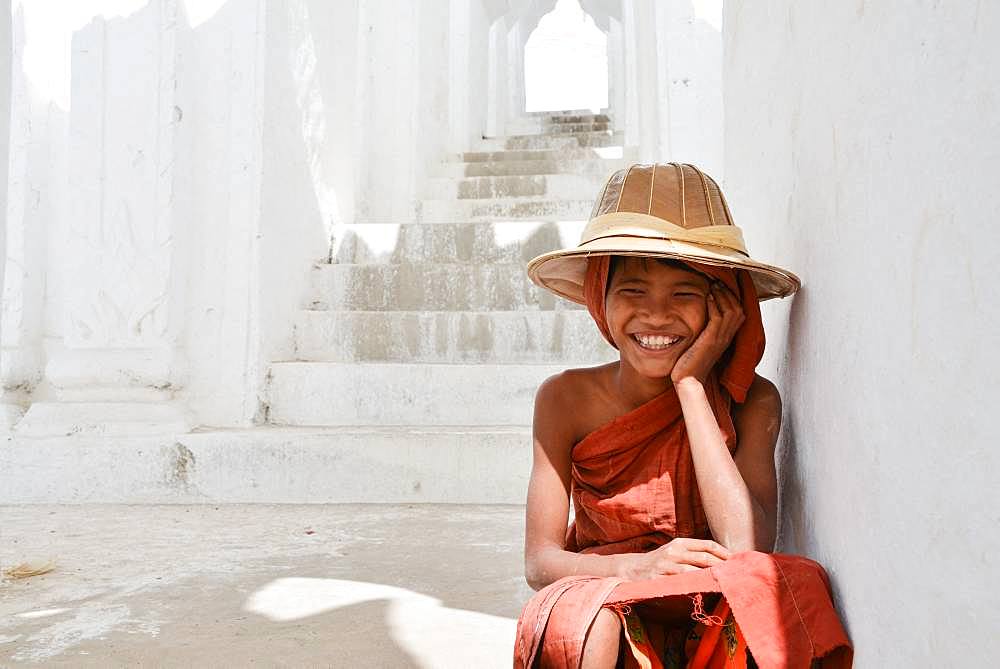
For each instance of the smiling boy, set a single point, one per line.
(667, 453)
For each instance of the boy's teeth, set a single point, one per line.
(656, 341)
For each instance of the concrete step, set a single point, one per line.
(411, 464)
(345, 394)
(493, 337)
(502, 242)
(551, 142)
(507, 209)
(567, 186)
(614, 152)
(586, 117)
(427, 287)
(536, 128)
(563, 113)
(595, 167)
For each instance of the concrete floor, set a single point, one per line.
(263, 585)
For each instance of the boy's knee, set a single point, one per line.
(601, 647)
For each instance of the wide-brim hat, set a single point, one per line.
(668, 210)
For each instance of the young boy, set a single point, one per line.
(668, 453)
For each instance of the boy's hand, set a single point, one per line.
(725, 316)
(678, 556)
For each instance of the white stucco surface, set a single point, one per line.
(862, 151)
(6, 57)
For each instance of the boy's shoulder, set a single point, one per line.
(573, 395)
(577, 383)
(763, 401)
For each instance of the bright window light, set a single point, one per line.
(566, 62)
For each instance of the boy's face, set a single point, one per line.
(655, 312)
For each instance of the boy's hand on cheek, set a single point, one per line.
(725, 316)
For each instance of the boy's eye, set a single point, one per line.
(630, 291)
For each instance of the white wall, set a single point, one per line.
(221, 84)
(36, 192)
(689, 81)
(6, 54)
(862, 150)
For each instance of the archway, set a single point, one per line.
(566, 61)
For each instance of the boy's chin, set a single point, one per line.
(654, 371)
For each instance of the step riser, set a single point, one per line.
(469, 211)
(512, 242)
(428, 288)
(272, 466)
(548, 142)
(590, 168)
(568, 186)
(562, 114)
(491, 338)
(612, 152)
(556, 128)
(330, 394)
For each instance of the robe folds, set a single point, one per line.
(633, 490)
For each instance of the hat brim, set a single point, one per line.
(563, 271)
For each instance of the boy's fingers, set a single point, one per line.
(702, 559)
(709, 546)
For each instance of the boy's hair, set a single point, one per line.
(618, 261)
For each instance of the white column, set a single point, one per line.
(496, 114)
(459, 42)
(119, 360)
(515, 70)
(616, 75)
(6, 57)
(8, 412)
(689, 72)
(642, 95)
(35, 133)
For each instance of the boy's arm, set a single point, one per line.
(739, 493)
(547, 513)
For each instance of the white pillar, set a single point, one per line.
(616, 75)
(642, 94)
(35, 134)
(119, 359)
(689, 60)
(459, 44)
(11, 414)
(496, 114)
(515, 70)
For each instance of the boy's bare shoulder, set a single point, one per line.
(763, 400)
(573, 385)
(763, 390)
(570, 396)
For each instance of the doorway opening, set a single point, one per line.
(566, 62)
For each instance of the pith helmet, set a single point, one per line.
(668, 210)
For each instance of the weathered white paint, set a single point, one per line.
(6, 64)
(862, 151)
(440, 464)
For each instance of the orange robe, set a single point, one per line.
(634, 489)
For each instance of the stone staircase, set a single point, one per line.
(430, 332)
(418, 351)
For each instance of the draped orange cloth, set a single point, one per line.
(634, 489)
